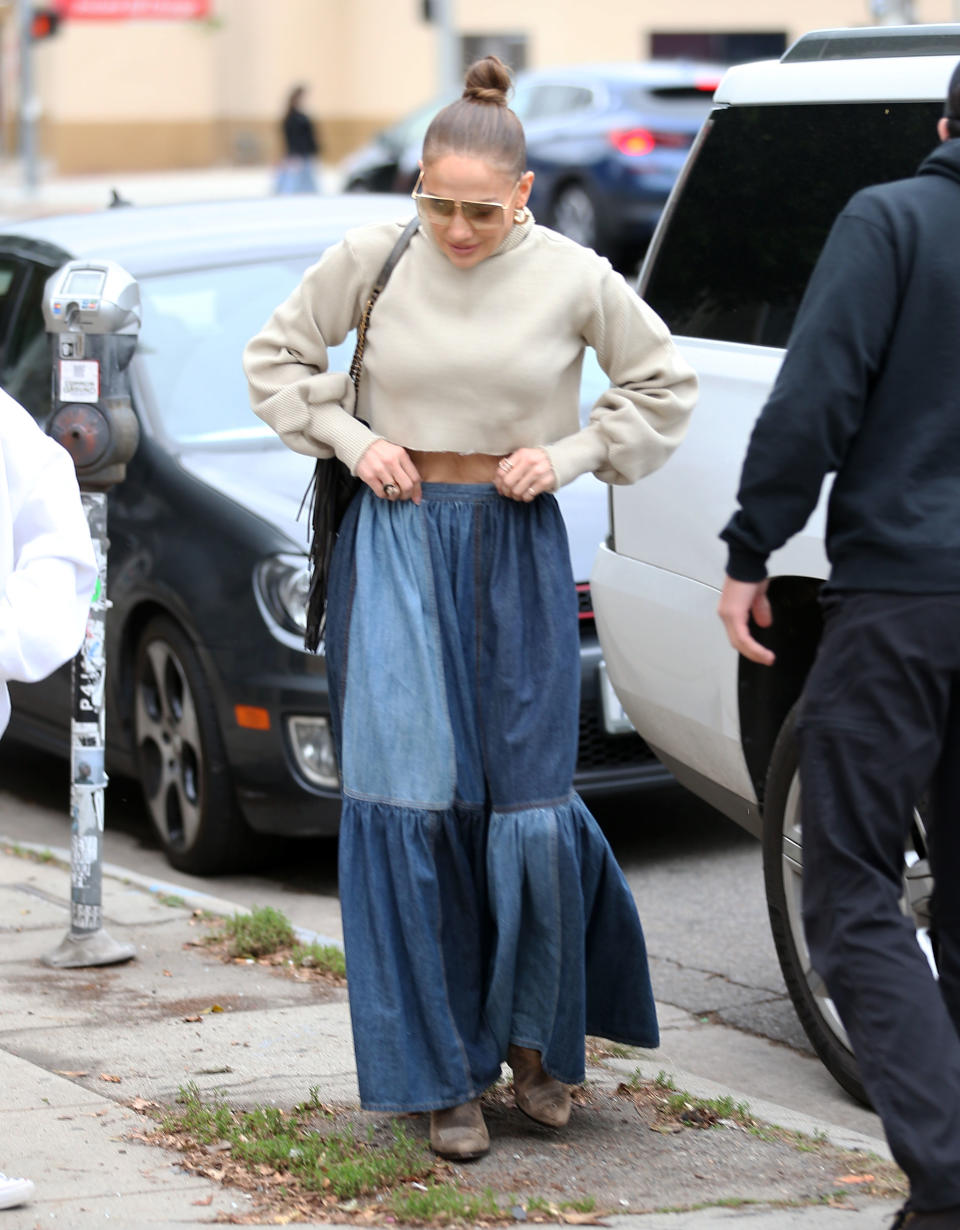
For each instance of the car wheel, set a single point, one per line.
(783, 880)
(180, 756)
(575, 215)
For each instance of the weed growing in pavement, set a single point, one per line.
(258, 933)
(171, 899)
(442, 1202)
(586, 1205)
(334, 1162)
(303, 1164)
(326, 957)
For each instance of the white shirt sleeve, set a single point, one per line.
(47, 566)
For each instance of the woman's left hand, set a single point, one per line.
(525, 474)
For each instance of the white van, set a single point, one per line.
(785, 147)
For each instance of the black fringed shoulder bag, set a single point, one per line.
(332, 486)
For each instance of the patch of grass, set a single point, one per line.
(586, 1204)
(335, 1162)
(174, 900)
(257, 934)
(325, 957)
(442, 1202)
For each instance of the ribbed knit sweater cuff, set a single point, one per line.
(575, 455)
(745, 565)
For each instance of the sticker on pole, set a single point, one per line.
(79, 380)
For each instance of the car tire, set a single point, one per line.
(180, 757)
(783, 881)
(575, 215)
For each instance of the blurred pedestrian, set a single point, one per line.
(870, 390)
(47, 575)
(485, 917)
(300, 145)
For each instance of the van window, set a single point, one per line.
(758, 202)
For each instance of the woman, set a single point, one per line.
(485, 917)
(300, 147)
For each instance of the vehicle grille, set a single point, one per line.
(598, 750)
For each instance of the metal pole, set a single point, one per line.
(449, 68)
(87, 943)
(28, 108)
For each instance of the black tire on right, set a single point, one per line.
(782, 874)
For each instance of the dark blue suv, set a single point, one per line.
(607, 142)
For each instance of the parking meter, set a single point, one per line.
(92, 310)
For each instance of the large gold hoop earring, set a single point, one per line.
(520, 215)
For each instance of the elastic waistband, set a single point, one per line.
(461, 493)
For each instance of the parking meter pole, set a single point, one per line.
(93, 311)
(87, 942)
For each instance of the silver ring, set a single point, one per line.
(504, 465)
(531, 493)
(390, 490)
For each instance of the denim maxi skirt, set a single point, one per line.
(482, 905)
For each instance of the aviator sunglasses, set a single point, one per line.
(441, 209)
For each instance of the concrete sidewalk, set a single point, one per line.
(78, 1046)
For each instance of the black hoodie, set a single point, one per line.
(870, 388)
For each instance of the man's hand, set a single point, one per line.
(740, 600)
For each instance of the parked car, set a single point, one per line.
(212, 702)
(785, 147)
(606, 142)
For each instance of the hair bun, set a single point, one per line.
(488, 81)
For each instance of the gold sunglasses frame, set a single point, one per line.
(419, 196)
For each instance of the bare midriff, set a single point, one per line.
(455, 467)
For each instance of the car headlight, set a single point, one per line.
(282, 585)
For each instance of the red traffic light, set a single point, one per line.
(44, 23)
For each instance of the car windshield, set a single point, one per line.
(195, 326)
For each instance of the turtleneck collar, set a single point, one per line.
(514, 237)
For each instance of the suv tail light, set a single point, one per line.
(636, 142)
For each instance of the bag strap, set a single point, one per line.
(356, 363)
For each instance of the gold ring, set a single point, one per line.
(530, 492)
(504, 465)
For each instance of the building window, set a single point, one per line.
(732, 47)
(511, 48)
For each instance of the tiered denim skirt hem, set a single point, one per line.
(481, 903)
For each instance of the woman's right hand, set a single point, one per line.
(389, 473)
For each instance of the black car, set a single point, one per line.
(606, 142)
(212, 702)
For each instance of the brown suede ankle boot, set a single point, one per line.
(459, 1132)
(538, 1095)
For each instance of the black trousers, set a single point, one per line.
(879, 727)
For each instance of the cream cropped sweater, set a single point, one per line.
(480, 360)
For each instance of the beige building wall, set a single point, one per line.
(155, 94)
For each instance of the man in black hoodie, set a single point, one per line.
(870, 390)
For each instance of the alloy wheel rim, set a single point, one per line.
(168, 742)
(575, 216)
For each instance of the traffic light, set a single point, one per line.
(43, 23)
